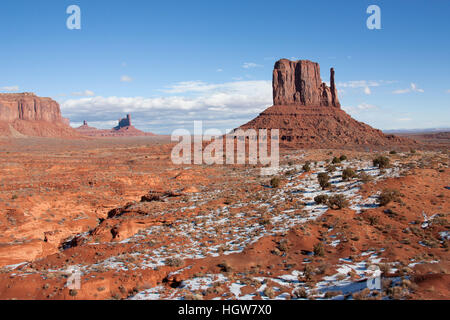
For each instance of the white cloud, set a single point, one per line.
(10, 88)
(359, 108)
(364, 84)
(249, 65)
(401, 91)
(85, 93)
(126, 78)
(413, 88)
(359, 84)
(404, 119)
(227, 104)
(219, 70)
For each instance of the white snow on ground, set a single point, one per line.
(221, 232)
(244, 228)
(445, 235)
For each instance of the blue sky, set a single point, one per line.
(171, 62)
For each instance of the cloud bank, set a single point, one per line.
(10, 88)
(222, 106)
(412, 88)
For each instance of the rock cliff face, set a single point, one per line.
(28, 106)
(308, 115)
(124, 122)
(25, 114)
(299, 83)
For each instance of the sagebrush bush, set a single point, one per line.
(336, 160)
(269, 292)
(338, 201)
(300, 293)
(275, 182)
(348, 173)
(388, 195)
(174, 262)
(364, 177)
(321, 199)
(324, 180)
(319, 250)
(307, 166)
(381, 162)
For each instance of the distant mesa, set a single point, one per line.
(308, 113)
(25, 114)
(123, 129)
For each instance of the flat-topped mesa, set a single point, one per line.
(299, 83)
(28, 106)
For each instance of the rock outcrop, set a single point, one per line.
(308, 114)
(25, 114)
(299, 83)
(123, 129)
(124, 122)
(28, 106)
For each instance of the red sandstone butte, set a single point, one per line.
(123, 129)
(308, 113)
(25, 114)
(299, 83)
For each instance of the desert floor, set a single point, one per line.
(132, 225)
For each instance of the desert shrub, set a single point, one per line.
(290, 172)
(174, 262)
(324, 180)
(307, 166)
(193, 296)
(321, 199)
(300, 293)
(364, 177)
(338, 201)
(269, 292)
(373, 220)
(331, 168)
(283, 245)
(336, 160)
(393, 152)
(331, 294)
(412, 151)
(343, 157)
(275, 182)
(348, 174)
(319, 250)
(381, 162)
(388, 195)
